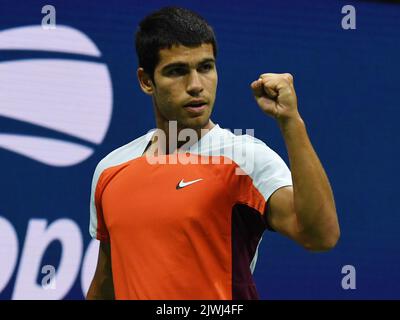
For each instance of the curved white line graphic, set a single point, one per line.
(62, 39)
(46, 150)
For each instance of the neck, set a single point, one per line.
(171, 128)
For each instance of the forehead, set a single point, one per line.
(182, 54)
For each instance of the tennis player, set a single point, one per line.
(190, 229)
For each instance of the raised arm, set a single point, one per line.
(305, 212)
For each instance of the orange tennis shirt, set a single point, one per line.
(186, 229)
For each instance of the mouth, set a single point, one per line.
(195, 106)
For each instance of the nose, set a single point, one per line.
(194, 86)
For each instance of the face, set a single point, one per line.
(185, 85)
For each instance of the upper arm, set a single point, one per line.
(281, 214)
(282, 217)
(104, 260)
(102, 286)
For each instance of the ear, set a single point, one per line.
(146, 84)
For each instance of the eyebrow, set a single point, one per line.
(184, 64)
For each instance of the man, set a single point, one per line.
(173, 230)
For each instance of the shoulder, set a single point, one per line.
(247, 150)
(237, 138)
(123, 153)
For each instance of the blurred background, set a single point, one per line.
(69, 95)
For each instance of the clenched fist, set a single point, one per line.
(276, 96)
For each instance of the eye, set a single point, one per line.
(176, 72)
(206, 67)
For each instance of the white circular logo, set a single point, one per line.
(72, 97)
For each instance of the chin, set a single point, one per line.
(197, 123)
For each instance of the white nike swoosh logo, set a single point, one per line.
(183, 184)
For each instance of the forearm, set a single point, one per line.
(313, 197)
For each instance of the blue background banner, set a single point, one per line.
(69, 96)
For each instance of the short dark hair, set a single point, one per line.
(167, 27)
